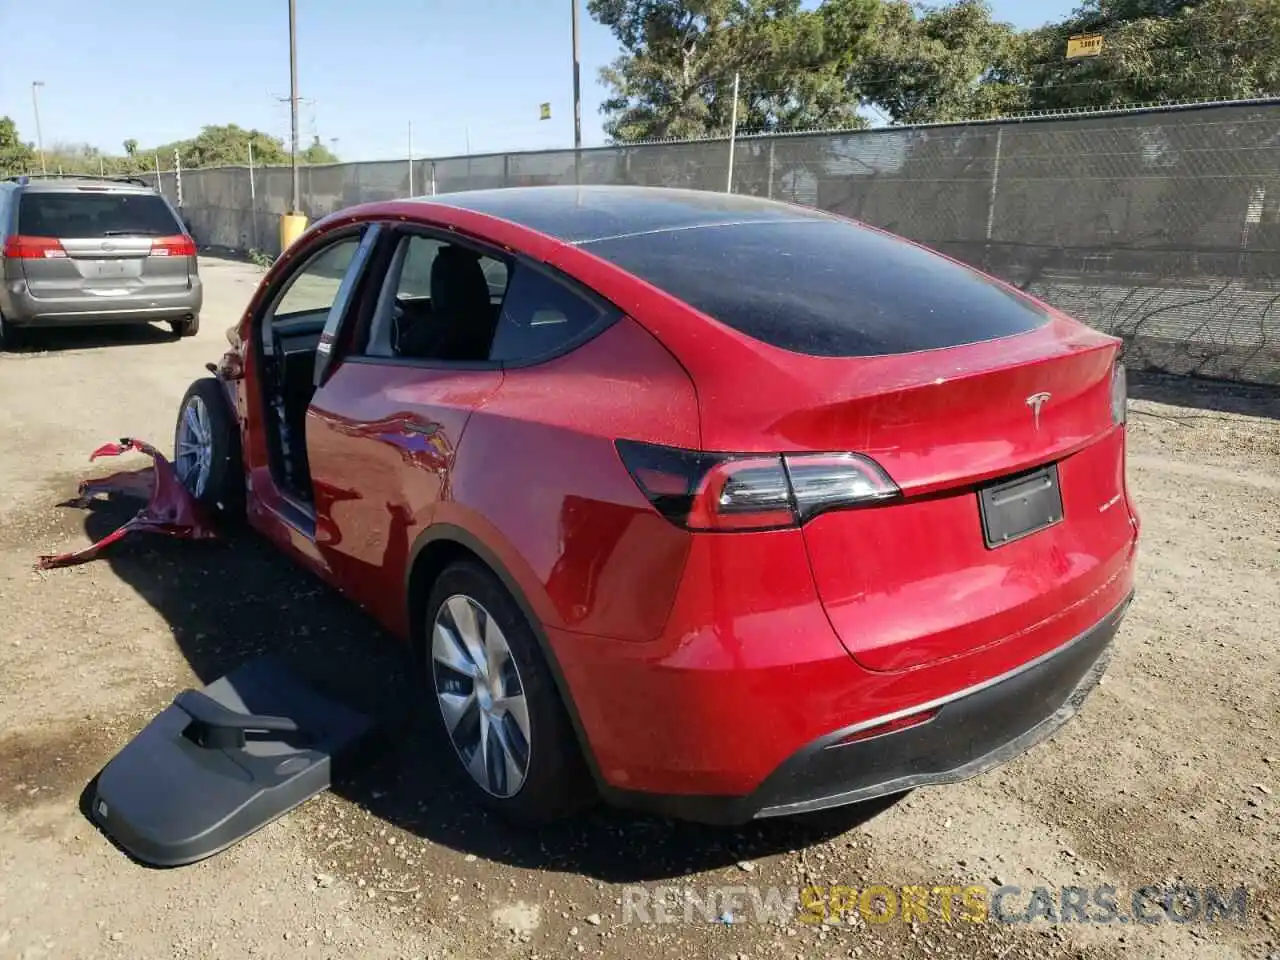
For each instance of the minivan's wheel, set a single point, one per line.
(10, 336)
(206, 448)
(185, 328)
(497, 701)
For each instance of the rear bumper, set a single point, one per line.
(972, 731)
(24, 310)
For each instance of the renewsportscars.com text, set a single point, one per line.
(943, 903)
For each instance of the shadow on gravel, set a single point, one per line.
(1212, 396)
(229, 601)
(59, 339)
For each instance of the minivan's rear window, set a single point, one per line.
(93, 215)
(825, 288)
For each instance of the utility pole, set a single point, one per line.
(733, 133)
(410, 158)
(253, 200)
(293, 105)
(577, 100)
(35, 102)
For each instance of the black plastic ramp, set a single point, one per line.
(221, 763)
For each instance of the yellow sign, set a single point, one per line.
(544, 109)
(1084, 45)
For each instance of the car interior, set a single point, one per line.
(290, 338)
(446, 305)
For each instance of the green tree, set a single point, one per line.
(675, 75)
(935, 64)
(16, 157)
(916, 63)
(1106, 14)
(219, 146)
(131, 147)
(1156, 51)
(317, 153)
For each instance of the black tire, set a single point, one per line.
(10, 336)
(224, 488)
(556, 783)
(185, 328)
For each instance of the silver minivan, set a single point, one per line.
(79, 250)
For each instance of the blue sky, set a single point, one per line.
(459, 71)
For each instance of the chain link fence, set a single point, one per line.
(1161, 227)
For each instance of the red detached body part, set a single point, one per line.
(170, 510)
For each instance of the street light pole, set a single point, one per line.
(293, 105)
(577, 101)
(35, 102)
(733, 134)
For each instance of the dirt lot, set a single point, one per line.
(1170, 775)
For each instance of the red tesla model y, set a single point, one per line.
(712, 506)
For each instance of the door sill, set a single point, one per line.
(298, 515)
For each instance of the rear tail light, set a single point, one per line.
(177, 246)
(1119, 394)
(19, 247)
(722, 492)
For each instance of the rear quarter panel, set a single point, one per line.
(539, 481)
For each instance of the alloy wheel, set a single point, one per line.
(194, 454)
(481, 696)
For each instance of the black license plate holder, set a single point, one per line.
(1017, 507)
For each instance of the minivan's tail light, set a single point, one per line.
(18, 247)
(177, 246)
(1119, 394)
(723, 492)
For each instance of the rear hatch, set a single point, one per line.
(100, 242)
(993, 416)
(1012, 508)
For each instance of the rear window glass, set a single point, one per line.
(824, 287)
(91, 215)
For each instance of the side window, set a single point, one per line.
(440, 302)
(540, 315)
(312, 290)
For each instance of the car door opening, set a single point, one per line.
(291, 333)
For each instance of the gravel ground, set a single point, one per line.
(1170, 775)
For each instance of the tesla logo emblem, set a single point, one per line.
(1035, 402)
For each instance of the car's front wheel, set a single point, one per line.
(206, 449)
(497, 702)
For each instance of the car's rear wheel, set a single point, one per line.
(10, 336)
(497, 702)
(185, 328)
(206, 449)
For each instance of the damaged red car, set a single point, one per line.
(707, 505)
